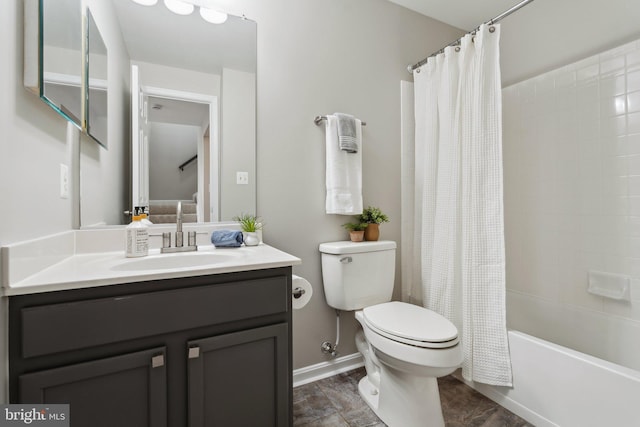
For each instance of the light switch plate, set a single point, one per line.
(242, 178)
(64, 181)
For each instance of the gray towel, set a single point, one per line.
(347, 133)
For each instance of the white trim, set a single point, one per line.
(31, 74)
(214, 162)
(161, 92)
(327, 369)
(61, 79)
(214, 146)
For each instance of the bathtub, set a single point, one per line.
(557, 386)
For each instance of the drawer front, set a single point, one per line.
(61, 327)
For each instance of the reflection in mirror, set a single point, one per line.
(97, 82)
(179, 141)
(210, 64)
(60, 84)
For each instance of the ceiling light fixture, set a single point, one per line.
(213, 16)
(146, 2)
(186, 7)
(179, 7)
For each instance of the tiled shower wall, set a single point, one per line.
(572, 202)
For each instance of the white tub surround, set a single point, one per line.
(572, 205)
(89, 258)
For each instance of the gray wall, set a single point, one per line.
(315, 58)
(35, 141)
(170, 145)
(32, 145)
(237, 143)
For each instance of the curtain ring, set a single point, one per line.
(417, 70)
(457, 48)
(492, 29)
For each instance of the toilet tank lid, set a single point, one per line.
(348, 247)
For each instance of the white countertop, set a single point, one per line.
(84, 270)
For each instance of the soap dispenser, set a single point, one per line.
(137, 237)
(145, 216)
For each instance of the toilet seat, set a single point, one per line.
(411, 324)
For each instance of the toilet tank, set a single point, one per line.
(357, 275)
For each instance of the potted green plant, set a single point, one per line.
(372, 217)
(356, 230)
(250, 225)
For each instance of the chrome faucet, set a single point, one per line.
(179, 239)
(179, 246)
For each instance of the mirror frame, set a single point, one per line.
(97, 83)
(33, 77)
(33, 73)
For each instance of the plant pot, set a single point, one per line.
(372, 232)
(251, 238)
(356, 236)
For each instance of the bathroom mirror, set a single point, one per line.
(53, 55)
(96, 93)
(205, 73)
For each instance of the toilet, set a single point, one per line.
(405, 347)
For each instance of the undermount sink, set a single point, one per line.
(173, 261)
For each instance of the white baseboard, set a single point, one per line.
(309, 374)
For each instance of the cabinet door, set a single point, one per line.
(240, 379)
(125, 391)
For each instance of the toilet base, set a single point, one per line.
(369, 394)
(412, 402)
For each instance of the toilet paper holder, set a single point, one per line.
(301, 291)
(298, 292)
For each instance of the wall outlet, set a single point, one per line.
(64, 181)
(242, 178)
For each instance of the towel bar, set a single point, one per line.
(318, 119)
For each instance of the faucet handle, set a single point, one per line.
(166, 239)
(179, 239)
(179, 216)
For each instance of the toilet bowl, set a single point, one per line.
(405, 361)
(405, 347)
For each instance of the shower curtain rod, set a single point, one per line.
(503, 15)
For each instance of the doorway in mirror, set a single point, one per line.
(175, 152)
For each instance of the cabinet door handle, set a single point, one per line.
(194, 352)
(157, 361)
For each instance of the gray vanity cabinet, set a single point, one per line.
(229, 371)
(196, 351)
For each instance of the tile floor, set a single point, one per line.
(335, 402)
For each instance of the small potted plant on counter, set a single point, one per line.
(356, 230)
(372, 217)
(250, 225)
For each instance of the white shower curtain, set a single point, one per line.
(458, 199)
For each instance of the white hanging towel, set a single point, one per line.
(343, 172)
